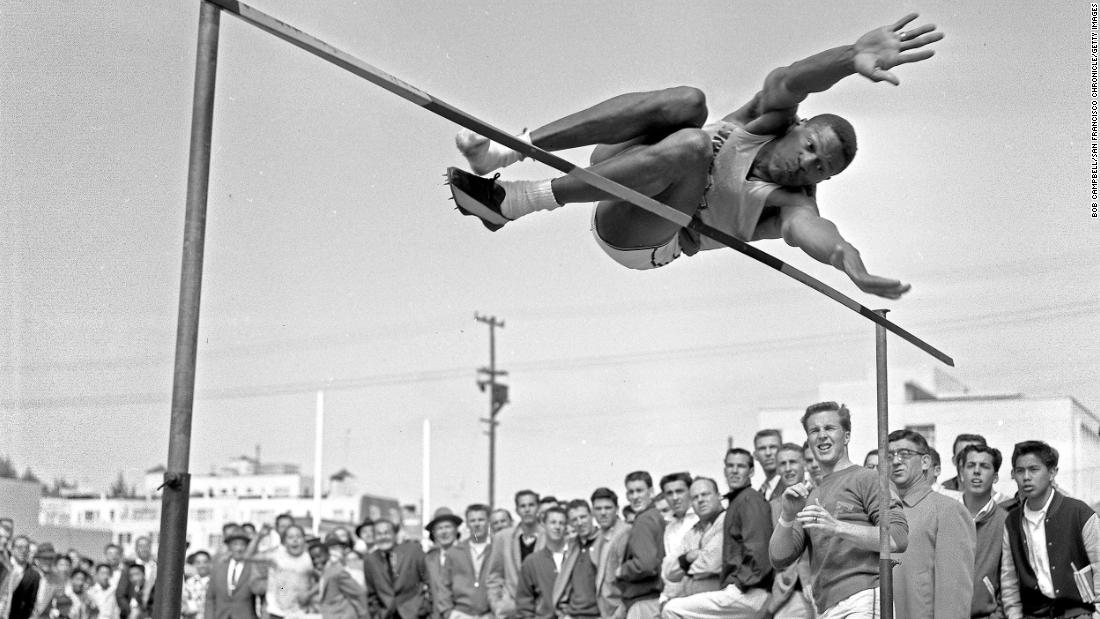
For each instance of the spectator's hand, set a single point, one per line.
(692, 555)
(794, 500)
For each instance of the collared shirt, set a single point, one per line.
(233, 575)
(706, 537)
(768, 487)
(194, 595)
(558, 556)
(477, 556)
(1035, 532)
(674, 537)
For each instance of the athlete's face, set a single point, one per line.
(806, 155)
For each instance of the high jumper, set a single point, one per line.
(753, 174)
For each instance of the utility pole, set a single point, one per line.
(498, 396)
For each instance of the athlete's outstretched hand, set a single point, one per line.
(849, 261)
(884, 48)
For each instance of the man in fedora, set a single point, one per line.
(443, 532)
(49, 584)
(230, 594)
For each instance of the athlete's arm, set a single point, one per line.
(801, 227)
(872, 55)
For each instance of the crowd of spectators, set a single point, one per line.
(804, 544)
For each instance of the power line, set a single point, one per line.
(999, 318)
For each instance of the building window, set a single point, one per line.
(928, 431)
(91, 516)
(125, 538)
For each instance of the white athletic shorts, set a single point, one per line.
(640, 258)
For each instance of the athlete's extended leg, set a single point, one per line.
(654, 114)
(674, 170)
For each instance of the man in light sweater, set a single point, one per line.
(935, 576)
(837, 520)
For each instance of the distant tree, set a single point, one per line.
(119, 488)
(7, 469)
(28, 475)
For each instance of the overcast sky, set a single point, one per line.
(334, 258)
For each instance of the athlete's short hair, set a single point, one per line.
(844, 131)
(827, 407)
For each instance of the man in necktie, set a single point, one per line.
(230, 595)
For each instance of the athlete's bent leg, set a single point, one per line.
(673, 170)
(654, 114)
(625, 225)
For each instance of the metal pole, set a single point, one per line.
(177, 480)
(492, 413)
(318, 445)
(425, 473)
(886, 575)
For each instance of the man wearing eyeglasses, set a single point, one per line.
(935, 576)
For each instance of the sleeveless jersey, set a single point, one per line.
(731, 203)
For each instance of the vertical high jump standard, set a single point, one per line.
(174, 502)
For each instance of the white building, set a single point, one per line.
(940, 407)
(244, 491)
(243, 477)
(129, 519)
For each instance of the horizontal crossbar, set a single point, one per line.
(400, 88)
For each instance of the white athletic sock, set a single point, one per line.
(525, 197)
(485, 155)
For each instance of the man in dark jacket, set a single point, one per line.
(639, 575)
(1050, 556)
(24, 591)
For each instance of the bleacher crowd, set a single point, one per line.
(805, 544)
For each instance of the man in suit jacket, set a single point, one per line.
(609, 548)
(24, 592)
(396, 577)
(443, 532)
(462, 591)
(230, 595)
(766, 446)
(510, 547)
(339, 595)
